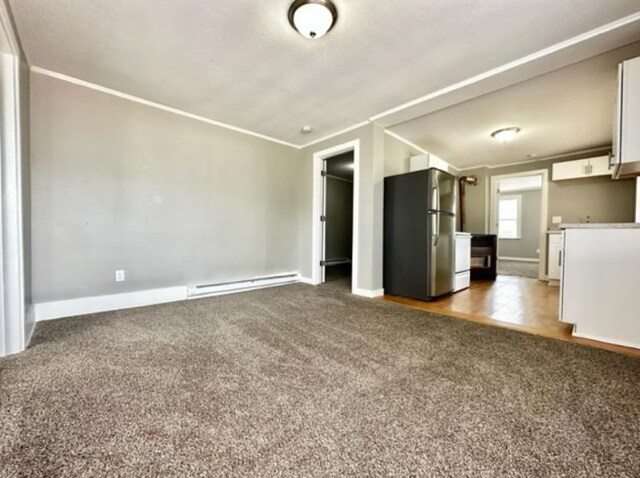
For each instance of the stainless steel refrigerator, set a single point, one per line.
(419, 233)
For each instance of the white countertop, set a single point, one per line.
(592, 225)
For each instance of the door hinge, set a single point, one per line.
(323, 218)
(323, 173)
(323, 263)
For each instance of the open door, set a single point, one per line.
(337, 217)
(323, 223)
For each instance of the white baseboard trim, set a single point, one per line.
(622, 343)
(368, 292)
(103, 303)
(518, 259)
(307, 280)
(232, 287)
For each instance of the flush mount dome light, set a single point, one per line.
(312, 18)
(505, 135)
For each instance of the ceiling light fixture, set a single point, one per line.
(505, 135)
(312, 18)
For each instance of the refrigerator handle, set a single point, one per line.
(435, 228)
(435, 198)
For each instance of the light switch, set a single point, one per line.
(556, 219)
(120, 275)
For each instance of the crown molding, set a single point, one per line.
(495, 72)
(405, 141)
(582, 152)
(153, 104)
(609, 27)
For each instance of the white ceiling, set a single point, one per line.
(239, 61)
(568, 110)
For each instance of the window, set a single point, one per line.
(509, 213)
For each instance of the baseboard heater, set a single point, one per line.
(231, 287)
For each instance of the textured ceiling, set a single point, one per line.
(239, 61)
(568, 110)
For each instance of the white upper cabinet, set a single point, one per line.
(570, 169)
(426, 161)
(626, 140)
(582, 168)
(600, 166)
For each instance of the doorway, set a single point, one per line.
(337, 218)
(319, 246)
(518, 215)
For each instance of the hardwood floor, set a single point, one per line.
(524, 304)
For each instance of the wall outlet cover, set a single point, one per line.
(556, 219)
(120, 276)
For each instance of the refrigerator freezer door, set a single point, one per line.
(441, 253)
(442, 187)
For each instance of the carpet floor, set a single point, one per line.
(311, 381)
(518, 268)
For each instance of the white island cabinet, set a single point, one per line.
(600, 286)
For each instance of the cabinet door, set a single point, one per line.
(463, 253)
(570, 169)
(630, 114)
(599, 166)
(554, 258)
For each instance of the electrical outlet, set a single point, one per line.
(556, 219)
(120, 275)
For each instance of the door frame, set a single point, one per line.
(317, 245)
(544, 212)
(15, 334)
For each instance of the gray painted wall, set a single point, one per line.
(173, 201)
(529, 242)
(380, 155)
(118, 185)
(475, 201)
(368, 194)
(396, 156)
(601, 198)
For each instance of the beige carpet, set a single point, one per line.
(518, 268)
(310, 381)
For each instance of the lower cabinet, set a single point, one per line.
(599, 287)
(462, 277)
(554, 255)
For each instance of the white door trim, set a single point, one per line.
(318, 199)
(14, 334)
(493, 215)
